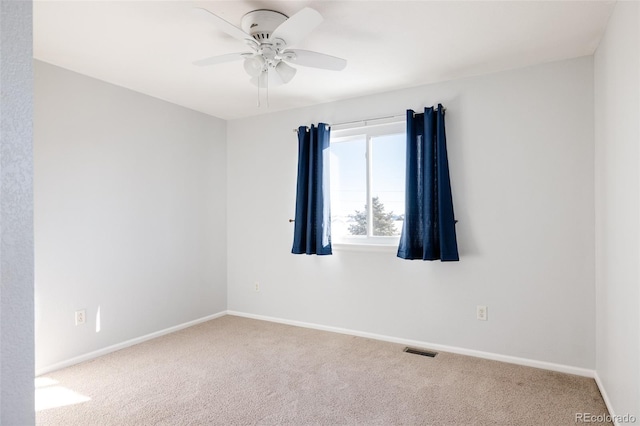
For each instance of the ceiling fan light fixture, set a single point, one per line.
(288, 55)
(285, 71)
(254, 65)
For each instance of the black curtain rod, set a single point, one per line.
(372, 119)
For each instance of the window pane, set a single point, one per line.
(348, 187)
(387, 186)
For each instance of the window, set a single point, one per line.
(367, 184)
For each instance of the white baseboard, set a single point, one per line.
(416, 343)
(453, 349)
(126, 344)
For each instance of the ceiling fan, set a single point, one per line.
(269, 34)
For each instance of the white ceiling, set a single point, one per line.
(149, 46)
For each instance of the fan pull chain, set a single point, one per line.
(267, 84)
(258, 102)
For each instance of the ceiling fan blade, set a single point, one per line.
(297, 26)
(221, 59)
(221, 24)
(307, 58)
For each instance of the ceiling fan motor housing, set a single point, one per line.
(260, 24)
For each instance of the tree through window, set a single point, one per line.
(383, 221)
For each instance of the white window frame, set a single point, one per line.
(369, 130)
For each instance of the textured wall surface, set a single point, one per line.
(16, 215)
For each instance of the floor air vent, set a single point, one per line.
(421, 352)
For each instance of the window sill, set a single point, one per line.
(380, 248)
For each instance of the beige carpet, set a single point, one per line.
(237, 371)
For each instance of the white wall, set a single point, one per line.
(521, 154)
(617, 112)
(16, 214)
(129, 214)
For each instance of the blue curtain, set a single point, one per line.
(312, 233)
(428, 232)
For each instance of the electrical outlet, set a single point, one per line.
(481, 313)
(81, 317)
(257, 286)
